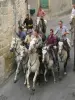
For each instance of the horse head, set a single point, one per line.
(23, 51)
(32, 46)
(44, 52)
(14, 43)
(60, 47)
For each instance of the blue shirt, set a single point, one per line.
(60, 32)
(22, 35)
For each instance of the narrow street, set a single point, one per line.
(61, 90)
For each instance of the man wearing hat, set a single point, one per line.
(28, 38)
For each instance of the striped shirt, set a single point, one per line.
(60, 32)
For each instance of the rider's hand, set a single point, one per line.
(65, 33)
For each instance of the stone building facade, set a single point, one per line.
(10, 12)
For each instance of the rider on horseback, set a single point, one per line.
(52, 42)
(39, 41)
(38, 46)
(61, 33)
(28, 39)
(42, 28)
(42, 25)
(41, 12)
(28, 22)
(21, 34)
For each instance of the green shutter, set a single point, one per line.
(44, 3)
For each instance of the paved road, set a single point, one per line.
(62, 90)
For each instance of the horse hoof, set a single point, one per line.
(33, 89)
(25, 83)
(28, 87)
(54, 81)
(46, 81)
(65, 73)
(60, 78)
(15, 81)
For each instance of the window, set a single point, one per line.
(44, 4)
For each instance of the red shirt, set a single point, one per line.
(41, 13)
(51, 39)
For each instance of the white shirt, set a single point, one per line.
(38, 41)
(72, 13)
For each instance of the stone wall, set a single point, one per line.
(10, 12)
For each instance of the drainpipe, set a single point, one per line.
(26, 1)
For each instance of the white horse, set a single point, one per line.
(33, 63)
(18, 50)
(24, 57)
(62, 54)
(48, 62)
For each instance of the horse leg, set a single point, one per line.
(24, 69)
(59, 76)
(25, 82)
(53, 75)
(68, 52)
(45, 79)
(58, 69)
(27, 78)
(17, 71)
(65, 64)
(34, 79)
